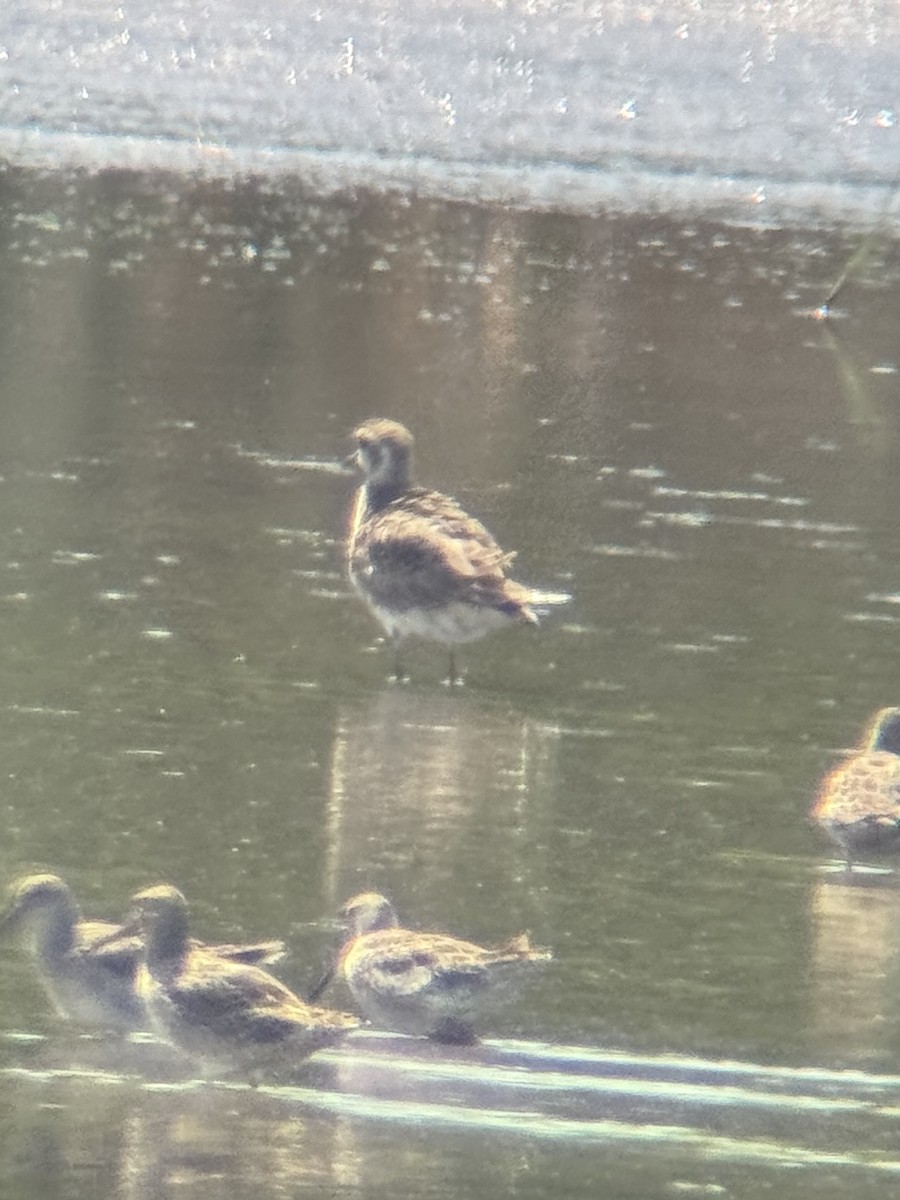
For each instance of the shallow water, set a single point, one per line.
(648, 413)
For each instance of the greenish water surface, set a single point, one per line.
(648, 414)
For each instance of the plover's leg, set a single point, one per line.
(399, 674)
(454, 677)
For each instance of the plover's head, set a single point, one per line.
(362, 914)
(367, 912)
(38, 906)
(885, 731)
(384, 452)
(160, 915)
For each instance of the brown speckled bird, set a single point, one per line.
(424, 566)
(426, 984)
(228, 1016)
(859, 801)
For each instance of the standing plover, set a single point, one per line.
(426, 567)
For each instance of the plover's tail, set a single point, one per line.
(528, 604)
(539, 603)
(518, 948)
(540, 599)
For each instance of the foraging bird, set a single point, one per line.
(858, 803)
(424, 566)
(426, 984)
(88, 968)
(228, 1016)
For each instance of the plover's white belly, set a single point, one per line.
(453, 623)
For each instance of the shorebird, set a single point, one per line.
(228, 1016)
(426, 984)
(88, 968)
(858, 803)
(425, 567)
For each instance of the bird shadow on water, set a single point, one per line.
(730, 1111)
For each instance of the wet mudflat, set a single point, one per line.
(645, 411)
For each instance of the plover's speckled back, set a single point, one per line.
(859, 800)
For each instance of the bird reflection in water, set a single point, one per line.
(436, 781)
(855, 969)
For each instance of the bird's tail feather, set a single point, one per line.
(542, 599)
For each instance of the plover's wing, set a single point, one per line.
(426, 555)
(255, 954)
(448, 518)
(410, 963)
(232, 1000)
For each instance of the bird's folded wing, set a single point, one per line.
(427, 960)
(412, 560)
